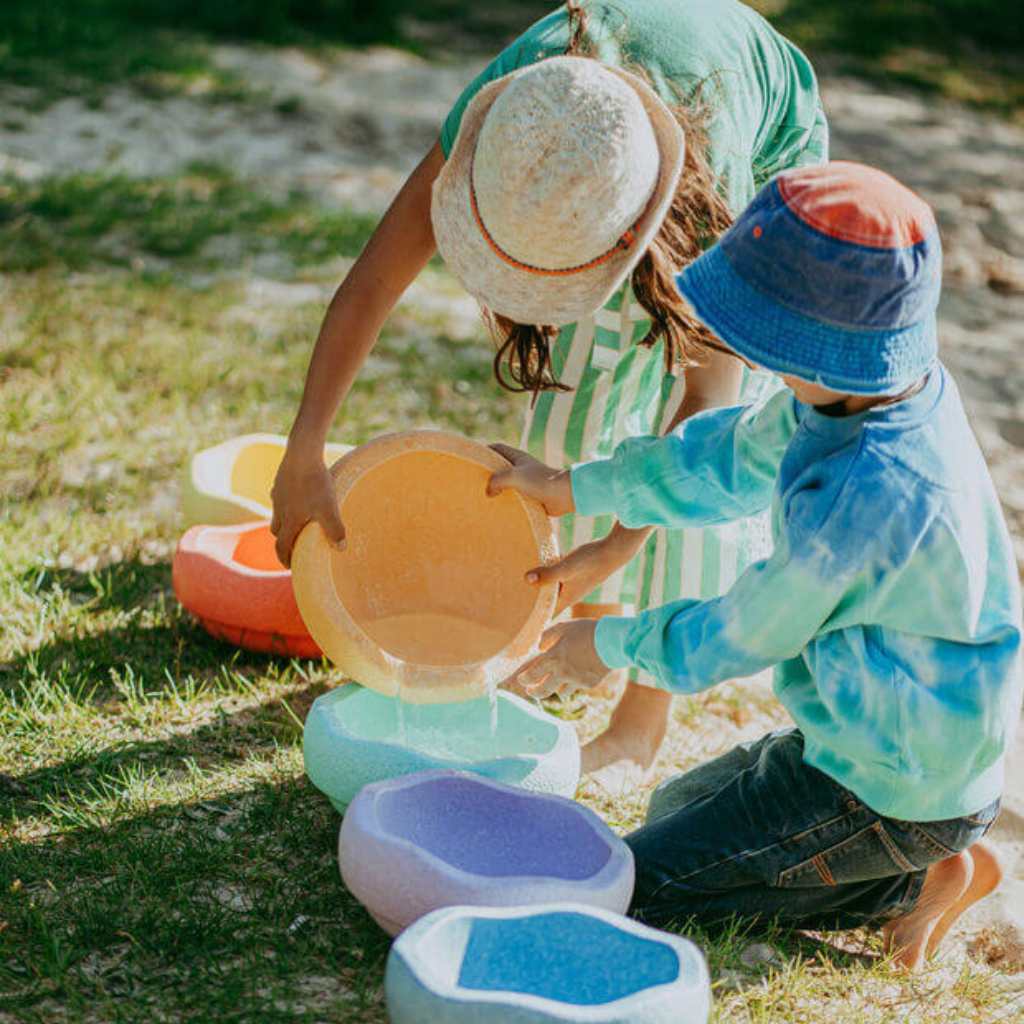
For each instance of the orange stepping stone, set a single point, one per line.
(229, 578)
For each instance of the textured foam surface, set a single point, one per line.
(501, 956)
(354, 736)
(436, 839)
(507, 828)
(560, 962)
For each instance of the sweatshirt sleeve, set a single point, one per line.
(769, 615)
(717, 466)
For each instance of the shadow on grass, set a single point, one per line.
(727, 943)
(135, 658)
(228, 910)
(153, 658)
(971, 50)
(123, 586)
(229, 739)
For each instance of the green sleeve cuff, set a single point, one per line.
(610, 640)
(593, 490)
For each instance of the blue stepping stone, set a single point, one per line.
(558, 963)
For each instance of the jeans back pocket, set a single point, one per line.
(868, 854)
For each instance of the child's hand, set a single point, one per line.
(551, 487)
(586, 568)
(303, 491)
(569, 662)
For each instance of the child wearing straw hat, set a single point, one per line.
(890, 605)
(564, 193)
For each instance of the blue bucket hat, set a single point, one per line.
(832, 274)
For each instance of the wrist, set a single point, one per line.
(593, 487)
(611, 635)
(563, 484)
(306, 439)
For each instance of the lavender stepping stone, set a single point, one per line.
(439, 839)
(354, 736)
(556, 963)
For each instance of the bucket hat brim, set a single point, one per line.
(753, 324)
(523, 296)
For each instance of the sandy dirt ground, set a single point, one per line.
(349, 128)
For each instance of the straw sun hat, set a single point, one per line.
(561, 175)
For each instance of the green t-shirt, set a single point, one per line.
(765, 111)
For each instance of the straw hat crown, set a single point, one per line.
(561, 175)
(565, 163)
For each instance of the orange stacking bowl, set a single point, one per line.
(428, 600)
(229, 578)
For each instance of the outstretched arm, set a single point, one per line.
(769, 615)
(394, 255)
(713, 384)
(719, 466)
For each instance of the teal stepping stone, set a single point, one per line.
(354, 736)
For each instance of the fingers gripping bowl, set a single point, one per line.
(428, 600)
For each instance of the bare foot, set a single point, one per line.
(635, 732)
(944, 885)
(988, 873)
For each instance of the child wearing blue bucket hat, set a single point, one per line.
(890, 606)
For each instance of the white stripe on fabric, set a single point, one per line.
(629, 422)
(730, 554)
(595, 416)
(584, 530)
(604, 357)
(524, 437)
(561, 407)
(609, 319)
(657, 597)
(611, 589)
(625, 325)
(693, 563)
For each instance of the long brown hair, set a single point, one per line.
(697, 216)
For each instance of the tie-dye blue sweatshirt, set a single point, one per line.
(890, 605)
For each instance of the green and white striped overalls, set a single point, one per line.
(620, 390)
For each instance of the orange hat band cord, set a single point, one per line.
(624, 243)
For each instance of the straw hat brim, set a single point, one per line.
(521, 295)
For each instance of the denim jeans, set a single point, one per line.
(757, 833)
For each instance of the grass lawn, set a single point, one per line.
(162, 856)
